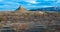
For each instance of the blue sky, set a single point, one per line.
(28, 4)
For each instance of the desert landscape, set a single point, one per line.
(22, 20)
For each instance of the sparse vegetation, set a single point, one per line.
(18, 19)
(19, 26)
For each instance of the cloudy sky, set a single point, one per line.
(28, 4)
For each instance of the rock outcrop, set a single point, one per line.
(20, 10)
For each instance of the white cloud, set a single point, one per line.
(46, 6)
(49, 0)
(39, 6)
(4, 6)
(1, 0)
(7, 6)
(31, 1)
(29, 4)
(58, 1)
(11, 3)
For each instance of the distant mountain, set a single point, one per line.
(47, 9)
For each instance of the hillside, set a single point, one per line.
(24, 20)
(47, 9)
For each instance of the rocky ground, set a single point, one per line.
(31, 21)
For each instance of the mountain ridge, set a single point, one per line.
(57, 9)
